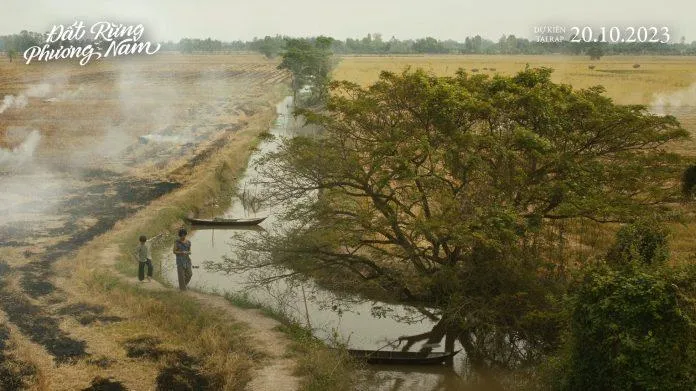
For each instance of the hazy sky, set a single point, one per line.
(443, 19)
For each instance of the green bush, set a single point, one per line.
(643, 242)
(630, 330)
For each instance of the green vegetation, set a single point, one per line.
(321, 367)
(632, 323)
(309, 63)
(451, 192)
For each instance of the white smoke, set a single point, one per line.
(38, 90)
(158, 138)
(667, 103)
(11, 101)
(22, 100)
(18, 157)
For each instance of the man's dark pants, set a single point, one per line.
(141, 269)
(184, 272)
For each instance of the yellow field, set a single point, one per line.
(624, 84)
(657, 76)
(669, 79)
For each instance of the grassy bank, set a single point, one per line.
(321, 367)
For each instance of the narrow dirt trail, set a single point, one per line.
(276, 370)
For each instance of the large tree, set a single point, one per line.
(309, 64)
(440, 190)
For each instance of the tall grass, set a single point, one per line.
(320, 366)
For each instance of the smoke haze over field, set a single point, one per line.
(20, 101)
(665, 103)
(16, 158)
(442, 19)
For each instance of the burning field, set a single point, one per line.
(80, 149)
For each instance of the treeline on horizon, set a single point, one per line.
(376, 44)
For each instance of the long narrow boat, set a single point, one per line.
(395, 357)
(220, 222)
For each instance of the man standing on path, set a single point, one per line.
(144, 259)
(182, 249)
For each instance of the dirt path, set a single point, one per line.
(276, 370)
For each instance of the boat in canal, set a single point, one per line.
(397, 357)
(224, 222)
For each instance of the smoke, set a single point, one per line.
(67, 95)
(158, 138)
(26, 198)
(674, 102)
(38, 90)
(10, 101)
(106, 149)
(22, 100)
(12, 160)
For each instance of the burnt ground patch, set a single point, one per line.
(87, 313)
(15, 232)
(13, 243)
(180, 378)
(144, 346)
(203, 155)
(33, 322)
(105, 384)
(108, 202)
(181, 372)
(12, 372)
(101, 362)
(35, 278)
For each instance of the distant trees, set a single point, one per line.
(428, 45)
(473, 45)
(595, 52)
(18, 43)
(374, 43)
(268, 46)
(595, 49)
(187, 45)
(309, 62)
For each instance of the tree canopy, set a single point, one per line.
(309, 63)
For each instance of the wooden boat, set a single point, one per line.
(221, 222)
(256, 228)
(396, 357)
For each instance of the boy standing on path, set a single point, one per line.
(144, 259)
(182, 249)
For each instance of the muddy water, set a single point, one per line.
(362, 324)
